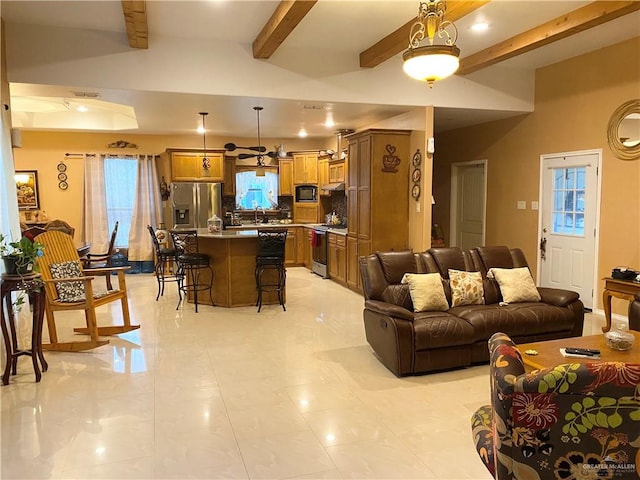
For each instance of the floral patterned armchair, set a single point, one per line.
(569, 422)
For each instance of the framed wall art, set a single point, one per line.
(27, 189)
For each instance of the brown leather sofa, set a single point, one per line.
(409, 343)
(634, 314)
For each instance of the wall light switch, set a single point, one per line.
(534, 205)
(522, 205)
(418, 207)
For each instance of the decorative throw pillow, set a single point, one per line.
(68, 291)
(466, 288)
(516, 284)
(427, 293)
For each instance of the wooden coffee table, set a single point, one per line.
(549, 352)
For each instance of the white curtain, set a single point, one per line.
(96, 225)
(146, 207)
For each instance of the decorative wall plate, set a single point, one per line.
(415, 191)
(62, 167)
(63, 185)
(417, 158)
(415, 175)
(62, 177)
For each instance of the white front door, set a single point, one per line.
(468, 187)
(568, 223)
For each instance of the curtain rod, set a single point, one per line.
(78, 154)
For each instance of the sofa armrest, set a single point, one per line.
(557, 297)
(389, 309)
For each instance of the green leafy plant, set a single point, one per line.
(23, 252)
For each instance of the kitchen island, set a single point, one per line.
(232, 255)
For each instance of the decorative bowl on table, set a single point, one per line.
(619, 339)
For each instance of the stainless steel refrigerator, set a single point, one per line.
(193, 203)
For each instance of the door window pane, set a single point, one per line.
(568, 201)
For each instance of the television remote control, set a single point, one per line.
(592, 352)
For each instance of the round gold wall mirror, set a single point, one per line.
(623, 132)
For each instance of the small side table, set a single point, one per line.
(614, 287)
(32, 285)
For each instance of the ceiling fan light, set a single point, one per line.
(431, 62)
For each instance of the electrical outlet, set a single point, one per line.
(522, 205)
(418, 207)
(534, 205)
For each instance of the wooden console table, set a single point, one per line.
(32, 285)
(614, 287)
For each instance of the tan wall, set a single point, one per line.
(574, 101)
(42, 151)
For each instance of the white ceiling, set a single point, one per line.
(329, 39)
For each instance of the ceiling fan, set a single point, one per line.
(230, 147)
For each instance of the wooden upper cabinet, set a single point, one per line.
(187, 166)
(229, 188)
(305, 168)
(285, 172)
(323, 176)
(337, 171)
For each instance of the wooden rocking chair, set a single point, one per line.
(68, 288)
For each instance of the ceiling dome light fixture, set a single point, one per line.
(432, 62)
(206, 163)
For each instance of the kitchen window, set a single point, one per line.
(257, 189)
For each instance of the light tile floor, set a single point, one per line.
(232, 393)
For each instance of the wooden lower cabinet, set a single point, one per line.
(353, 271)
(305, 212)
(291, 248)
(356, 248)
(308, 253)
(337, 258)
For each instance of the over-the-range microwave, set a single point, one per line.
(306, 193)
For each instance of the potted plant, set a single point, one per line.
(20, 256)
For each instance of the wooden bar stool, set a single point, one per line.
(271, 247)
(190, 264)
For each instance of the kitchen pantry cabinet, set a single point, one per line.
(186, 166)
(337, 257)
(285, 175)
(229, 187)
(305, 168)
(305, 212)
(377, 196)
(323, 176)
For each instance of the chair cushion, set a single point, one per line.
(516, 284)
(68, 291)
(427, 293)
(466, 288)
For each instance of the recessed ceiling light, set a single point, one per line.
(302, 133)
(200, 129)
(480, 27)
(82, 108)
(329, 123)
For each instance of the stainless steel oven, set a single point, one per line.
(320, 252)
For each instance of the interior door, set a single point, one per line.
(569, 204)
(469, 204)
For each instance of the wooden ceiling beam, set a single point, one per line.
(578, 20)
(286, 17)
(398, 40)
(135, 17)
